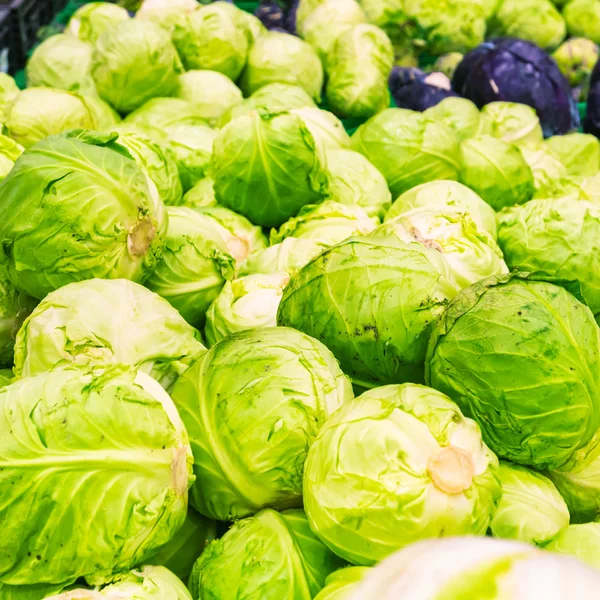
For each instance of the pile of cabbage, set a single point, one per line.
(245, 354)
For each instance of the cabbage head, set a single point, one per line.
(576, 58)
(283, 58)
(583, 19)
(358, 68)
(460, 114)
(288, 256)
(328, 223)
(560, 237)
(106, 450)
(337, 298)
(496, 170)
(210, 91)
(423, 469)
(90, 21)
(212, 37)
(408, 148)
(165, 12)
(181, 552)
(471, 252)
(324, 126)
(76, 207)
(579, 152)
(62, 62)
(159, 116)
(9, 90)
(270, 555)
(40, 112)
(195, 264)
(531, 509)
(537, 21)
(341, 582)
(66, 328)
(133, 62)
(581, 541)
(353, 180)
(267, 166)
(512, 122)
(520, 355)
(245, 303)
(452, 194)
(268, 392)
(466, 567)
(158, 162)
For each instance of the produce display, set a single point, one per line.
(300, 300)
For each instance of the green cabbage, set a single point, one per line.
(398, 464)
(69, 328)
(103, 450)
(273, 384)
(92, 19)
(408, 148)
(75, 207)
(521, 354)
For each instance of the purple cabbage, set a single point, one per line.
(591, 124)
(413, 89)
(271, 15)
(515, 70)
(290, 21)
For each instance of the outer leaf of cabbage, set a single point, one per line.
(9, 152)
(77, 206)
(102, 450)
(201, 195)
(252, 405)
(272, 555)
(560, 237)
(62, 62)
(133, 62)
(398, 464)
(581, 541)
(446, 193)
(92, 19)
(408, 148)
(531, 509)
(159, 115)
(354, 180)
(472, 567)
(350, 297)
(520, 355)
(245, 303)
(195, 264)
(282, 58)
(212, 38)
(268, 166)
(67, 328)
